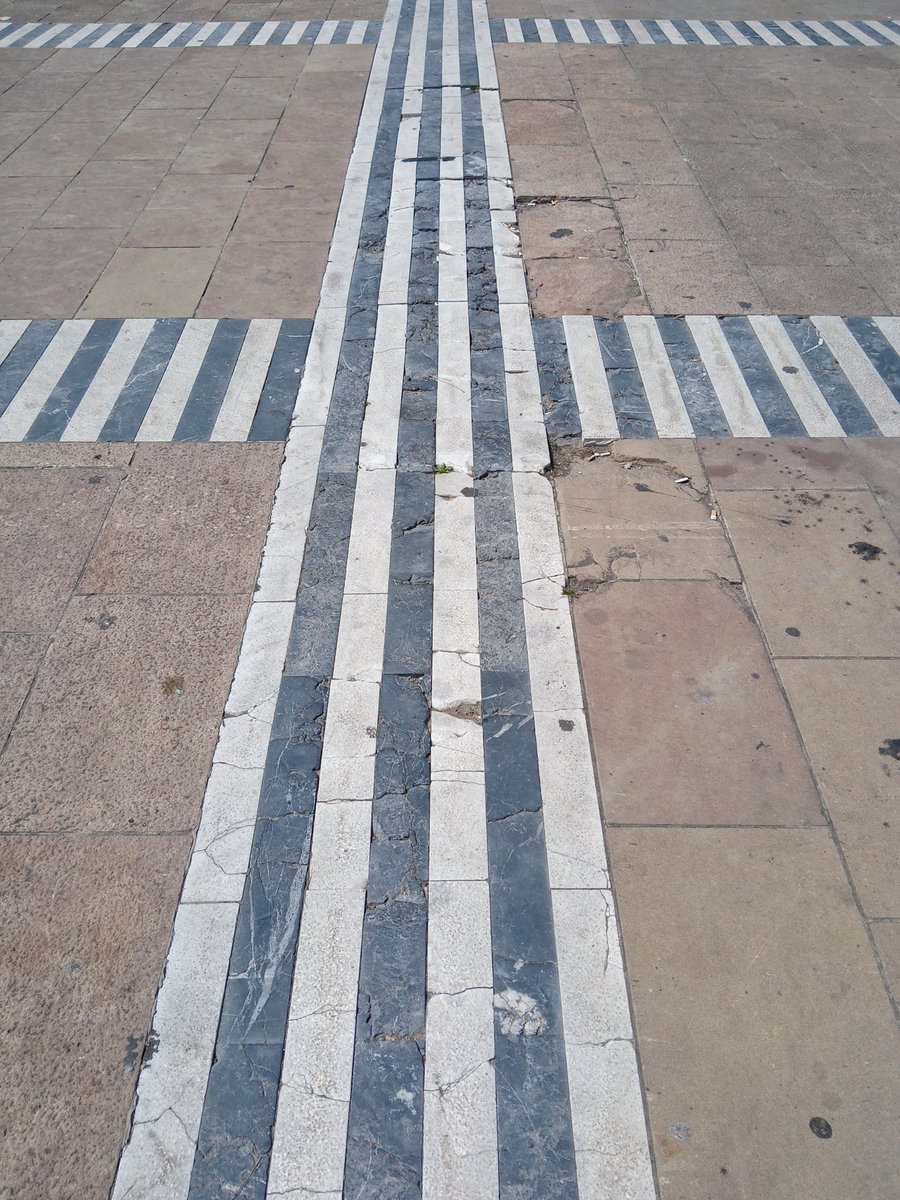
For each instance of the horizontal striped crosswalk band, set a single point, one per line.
(116, 36)
(748, 32)
(748, 376)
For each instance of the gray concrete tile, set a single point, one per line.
(151, 283)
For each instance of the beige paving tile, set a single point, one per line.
(887, 939)
(20, 657)
(602, 286)
(120, 727)
(49, 521)
(23, 200)
(225, 148)
(669, 212)
(758, 1006)
(151, 283)
(878, 460)
(567, 229)
(767, 463)
(269, 214)
(811, 287)
(95, 208)
(640, 524)
(625, 161)
(84, 927)
(153, 133)
(613, 119)
(846, 711)
(268, 279)
(556, 171)
(688, 722)
(543, 122)
(60, 455)
(804, 558)
(188, 519)
(257, 97)
(272, 61)
(122, 172)
(695, 277)
(190, 210)
(735, 169)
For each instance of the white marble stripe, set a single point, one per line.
(527, 434)
(766, 34)
(743, 417)
(453, 431)
(234, 33)
(861, 374)
(261, 37)
(705, 36)
(856, 32)
(545, 30)
(890, 327)
(19, 35)
(78, 35)
(671, 32)
(4, 25)
(142, 34)
(592, 394)
(739, 39)
(295, 33)
(790, 367)
(514, 30)
(801, 38)
(206, 32)
(175, 32)
(828, 34)
(10, 332)
(660, 385)
(239, 403)
(577, 30)
(96, 404)
(357, 33)
(378, 448)
(608, 31)
(50, 32)
(885, 30)
(43, 378)
(326, 33)
(161, 419)
(641, 32)
(109, 35)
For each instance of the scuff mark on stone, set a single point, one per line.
(520, 1015)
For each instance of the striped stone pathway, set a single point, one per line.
(676, 32)
(236, 380)
(124, 35)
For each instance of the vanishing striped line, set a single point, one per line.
(647, 32)
(124, 35)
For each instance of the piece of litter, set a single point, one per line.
(606, 442)
(605, 454)
(591, 457)
(684, 479)
(627, 466)
(714, 514)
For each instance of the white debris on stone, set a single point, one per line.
(521, 1014)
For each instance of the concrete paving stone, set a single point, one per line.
(887, 939)
(543, 122)
(765, 119)
(57, 148)
(180, 88)
(126, 172)
(609, 119)
(269, 279)
(673, 84)
(758, 1006)
(269, 214)
(284, 164)
(705, 276)
(625, 161)
(773, 230)
(48, 523)
(190, 210)
(819, 162)
(878, 460)
(225, 147)
(41, 93)
(95, 208)
(272, 61)
(151, 283)
(188, 519)
(23, 200)
(814, 287)
(61, 455)
(673, 213)
(17, 128)
(821, 568)
(79, 985)
(735, 169)
(556, 171)
(152, 133)
(567, 230)
(20, 658)
(744, 464)
(602, 286)
(703, 120)
(257, 98)
(119, 730)
(688, 723)
(845, 710)
(640, 524)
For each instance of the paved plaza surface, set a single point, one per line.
(449, 554)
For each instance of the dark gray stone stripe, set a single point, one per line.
(695, 385)
(203, 404)
(839, 393)
(234, 1144)
(51, 421)
(751, 34)
(718, 33)
(881, 353)
(768, 391)
(561, 415)
(18, 364)
(272, 419)
(690, 35)
(632, 409)
(536, 1153)
(498, 30)
(140, 387)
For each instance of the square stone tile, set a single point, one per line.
(599, 286)
(567, 229)
(95, 208)
(784, 463)
(272, 61)
(84, 928)
(188, 519)
(758, 1006)
(254, 98)
(626, 161)
(49, 521)
(119, 730)
(821, 567)
(879, 461)
(225, 147)
(681, 277)
(268, 279)
(846, 710)
(556, 170)
(20, 657)
(31, 282)
(190, 210)
(818, 288)
(640, 524)
(543, 122)
(153, 133)
(887, 939)
(268, 214)
(65, 454)
(535, 79)
(122, 172)
(57, 148)
(668, 212)
(688, 722)
(23, 200)
(152, 283)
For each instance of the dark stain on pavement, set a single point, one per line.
(866, 551)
